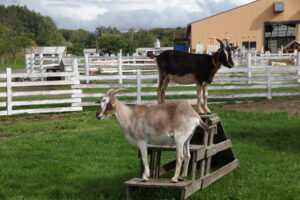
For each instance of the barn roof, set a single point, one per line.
(291, 43)
(50, 50)
(89, 50)
(254, 1)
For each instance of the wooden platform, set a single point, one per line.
(211, 159)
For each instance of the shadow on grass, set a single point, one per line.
(276, 130)
(105, 188)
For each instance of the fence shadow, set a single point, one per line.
(276, 130)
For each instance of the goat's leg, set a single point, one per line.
(165, 82)
(199, 95)
(187, 157)
(205, 97)
(179, 159)
(159, 88)
(143, 149)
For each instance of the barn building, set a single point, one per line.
(260, 25)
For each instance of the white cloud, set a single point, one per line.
(126, 13)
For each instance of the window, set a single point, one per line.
(277, 35)
(249, 45)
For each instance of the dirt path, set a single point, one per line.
(287, 104)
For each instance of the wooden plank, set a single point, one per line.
(3, 84)
(84, 86)
(8, 91)
(212, 132)
(139, 87)
(2, 113)
(43, 93)
(43, 83)
(164, 183)
(38, 75)
(193, 147)
(193, 164)
(200, 154)
(216, 148)
(197, 185)
(2, 104)
(152, 162)
(47, 110)
(167, 167)
(213, 120)
(45, 102)
(157, 164)
(209, 179)
(2, 94)
(282, 94)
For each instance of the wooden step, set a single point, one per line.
(193, 147)
(166, 183)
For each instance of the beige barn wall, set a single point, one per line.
(245, 23)
(298, 32)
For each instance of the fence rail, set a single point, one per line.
(34, 92)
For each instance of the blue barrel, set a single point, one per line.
(181, 48)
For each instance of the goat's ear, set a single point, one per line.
(235, 48)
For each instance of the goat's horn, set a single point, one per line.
(227, 42)
(112, 92)
(221, 43)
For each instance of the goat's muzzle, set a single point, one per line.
(99, 116)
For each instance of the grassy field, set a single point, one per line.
(20, 64)
(74, 156)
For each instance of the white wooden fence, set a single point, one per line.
(32, 93)
(29, 96)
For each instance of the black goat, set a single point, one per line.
(187, 68)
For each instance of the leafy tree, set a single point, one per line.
(77, 40)
(113, 43)
(5, 35)
(102, 30)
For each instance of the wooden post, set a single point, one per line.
(211, 135)
(76, 81)
(32, 62)
(298, 64)
(203, 161)
(269, 82)
(75, 67)
(120, 67)
(59, 58)
(249, 75)
(27, 63)
(42, 70)
(8, 91)
(139, 87)
(86, 67)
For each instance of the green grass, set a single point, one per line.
(74, 156)
(20, 64)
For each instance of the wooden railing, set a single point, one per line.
(38, 93)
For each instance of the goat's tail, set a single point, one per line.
(203, 125)
(151, 55)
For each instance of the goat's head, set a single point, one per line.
(107, 104)
(225, 54)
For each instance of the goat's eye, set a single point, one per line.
(108, 106)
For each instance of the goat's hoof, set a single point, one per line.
(201, 113)
(181, 178)
(208, 113)
(144, 180)
(173, 180)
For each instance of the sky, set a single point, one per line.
(125, 14)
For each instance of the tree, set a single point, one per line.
(18, 42)
(102, 30)
(113, 43)
(5, 35)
